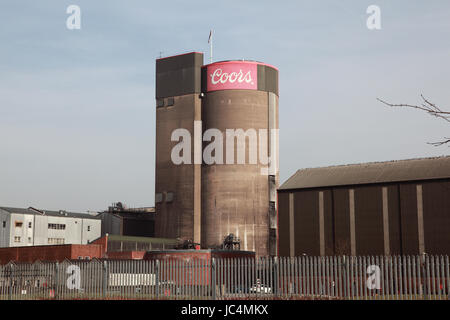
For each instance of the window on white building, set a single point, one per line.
(57, 226)
(4, 224)
(16, 239)
(19, 224)
(55, 240)
(29, 224)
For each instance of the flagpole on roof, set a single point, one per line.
(210, 41)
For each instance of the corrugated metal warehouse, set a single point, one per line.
(381, 208)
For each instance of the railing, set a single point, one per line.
(304, 277)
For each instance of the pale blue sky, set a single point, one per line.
(77, 122)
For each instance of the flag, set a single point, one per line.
(210, 36)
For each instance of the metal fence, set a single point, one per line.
(304, 277)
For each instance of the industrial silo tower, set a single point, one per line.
(232, 190)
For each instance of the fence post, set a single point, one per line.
(11, 270)
(157, 278)
(344, 277)
(55, 288)
(105, 278)
(213, 278)
(428, 282)
(447, 266)
(275, 276)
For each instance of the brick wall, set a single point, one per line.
(50, 253)
(134, 255)
(103, 241)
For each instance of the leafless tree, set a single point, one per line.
(429, 108)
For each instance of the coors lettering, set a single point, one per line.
(223, 77)
(232, 75)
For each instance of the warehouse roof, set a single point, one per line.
(372, 172)
(60, 213)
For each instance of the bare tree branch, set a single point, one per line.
(440, 143)
(429, 108)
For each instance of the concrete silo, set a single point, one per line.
(233, 187)
(238, 195)
(177, 186)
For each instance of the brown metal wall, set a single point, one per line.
(369, 221)
(408, 212)
(341, 221)
(395, 232)
(369, 233)
(436, 216)
(283, 224)
(328, 221)
(306, 223)
(235, 197)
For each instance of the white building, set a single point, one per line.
(33, 227)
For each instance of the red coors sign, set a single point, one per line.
(232, 75)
